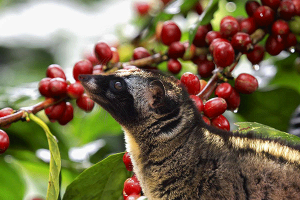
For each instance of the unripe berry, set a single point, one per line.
(205, 68)
(280, 27)
(127, 161)
(203, 83)
(115, 58)
(44, 87)
(4, 141)
(274, 44)
(140, 52)
(85, 103)
(67, 116)
(251, 7)
(170, 33)
(241, 42)
(103, 52)
(174, 66)
(256, 55)
(215, 107)
(82, 67)
(233, 101)
(223, 90)
(248, 25)
(246, 83)
(295, 25)
(264, 16)
(191, 82)
(223, 54)
(221, 122)
(198, 102)
(57, 87)
(56, 111)
(132, 186)
(176, 50)
(55, 71)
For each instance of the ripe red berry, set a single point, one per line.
(211, 35)
(174, 66)
(215, 43)
(241, 42)
(142, 8)
(170, 33)
(140, 52)
(229, 27)
(85, 103)
(206, 120)
(264, 16)
(221, 122)
(280, 27)
(286, 10)
(44, 87)
(115, 58)
(67, 116)
(274, 44)
(223, 54)
(199, 40)
(223, 90)
(191, 82)
(75, 90)
(55, 71)
(291, 40)
(57, 87)
(98, 69)
(103, 52)
(297, 7)
(176, 50)
(5, 112)
(127, 161)
(199, 8)
(132, 186)
(248, 25)
(4, 141)
(215, 107)
(256, 55)
(82, 67)
(205, 68)
(251, 7)
(246, 83)
(274, 4)
(56, 111)
(233, 101)
(198, 102)
(92, 58)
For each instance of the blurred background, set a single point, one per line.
(37, 33)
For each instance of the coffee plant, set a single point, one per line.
(206, 47)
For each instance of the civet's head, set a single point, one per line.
(135, 97)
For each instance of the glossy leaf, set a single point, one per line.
(102, 181)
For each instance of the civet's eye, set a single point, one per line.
(117, 85)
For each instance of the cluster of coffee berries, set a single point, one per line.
(132, 189)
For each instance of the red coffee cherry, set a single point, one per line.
(206, 120)
(280, 27)
(127, 162)
(67, 116)
(198, 102)
(75, 90)
(191, 82)
(170, 33)
(241, 42)
(274, 4)
(286, 10)
(221, 122)
(199, 40)
(215, 107)
(199, 8)
(251, 7)
(132, 186)
(248, 25)
(142, 8)
(56, 111)
(274, 44)
(92, 58)
(291, 40)
(211, 35)
(205, 68)
(4, 112)
(140, 52)
(297, 7)
(223, 54)
(256, 55)
(98, 69)
(85, 103)
(246, 83)
(264, 16)
(215, 43)
(174, 66)
(229, 27)
(223, 90)
(82, 67)
(4, 141)
(44, 87)
(103, 52)
(57, 87)
(55, 71)
(233, 101)
(176, 50)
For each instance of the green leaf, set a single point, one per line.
(102, 181)
(271, 107)
(55, 161)
(204, 18)
(267, 132)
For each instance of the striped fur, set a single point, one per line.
(176, 156)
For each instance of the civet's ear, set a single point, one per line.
(157, 92)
